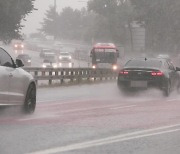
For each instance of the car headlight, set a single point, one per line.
(70, 64)
(70, 57)
(60, 57)
(55, 66)
(29, 61)
(22, 46)
(115, 67)
(44, 66)
(94, 66)
(15, 45)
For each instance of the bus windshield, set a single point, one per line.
(105, 55)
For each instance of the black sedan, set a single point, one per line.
(142, 73)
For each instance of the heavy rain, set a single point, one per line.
(89, 76)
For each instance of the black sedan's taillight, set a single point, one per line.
(157, 73)
(124, 72)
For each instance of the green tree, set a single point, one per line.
(70, 24)
(12, 12)
(161, 20)
(50, 23)
(114, 16)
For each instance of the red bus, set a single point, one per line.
(104, 55)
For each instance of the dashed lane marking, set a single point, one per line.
(123, 107)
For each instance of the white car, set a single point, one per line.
(65, 60)
(17, 87)
(51, 63)
(65, 56)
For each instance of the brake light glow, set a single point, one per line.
(157, 73)
(124, 72)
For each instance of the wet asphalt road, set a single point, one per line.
(93, 119)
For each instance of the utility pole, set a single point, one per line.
(55, 5)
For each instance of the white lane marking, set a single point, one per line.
(41, 117)
(61, 103)
(93, 108)
(123, 107)
(113, 139)
(48, 101)
(10, 105)
(171, 100)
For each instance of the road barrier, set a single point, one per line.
(64, 75)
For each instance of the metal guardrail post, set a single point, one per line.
(79, 75)
(50, 80)
(101, 75)
(43, 73)
(71, 73)
(94, 74)
(62, 76)
(35, 76)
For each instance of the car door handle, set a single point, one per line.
(10, 75)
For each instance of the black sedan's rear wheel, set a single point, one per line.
(178, 88)
(168, 89)
(30, 101)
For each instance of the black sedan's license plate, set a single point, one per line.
(139, 84)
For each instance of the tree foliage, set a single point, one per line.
(104, 20)
(12, 12)
(50, 23)
(161, 20)
(114, 16)
(109, 20)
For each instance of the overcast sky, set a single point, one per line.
(34, 19)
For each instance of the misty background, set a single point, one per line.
(34, 19)
(136, 25)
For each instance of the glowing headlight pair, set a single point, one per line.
(54, 66)
(62, 57)
(22, 46)
(70, 64)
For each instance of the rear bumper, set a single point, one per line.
(158, 83)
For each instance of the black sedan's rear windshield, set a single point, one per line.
(144, 63)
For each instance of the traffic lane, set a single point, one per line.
(101, 129)
(101, 113)
(163, 142)
(69, 100)
(56, 124)
(37, 61)
(106, 91)
(112, 140)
